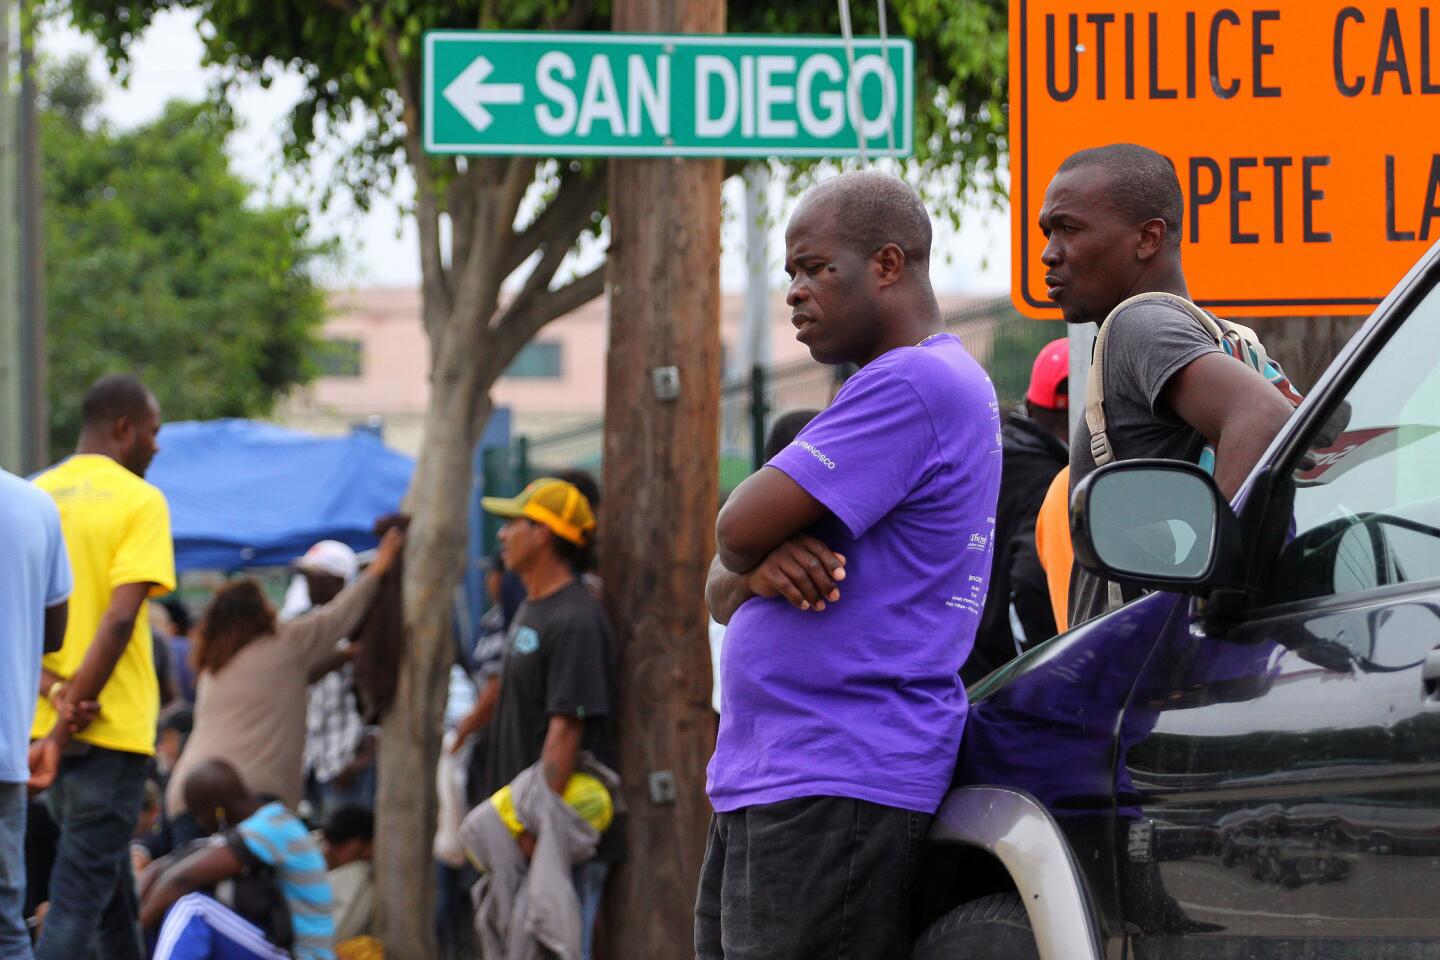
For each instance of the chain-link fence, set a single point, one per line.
(1004, 342)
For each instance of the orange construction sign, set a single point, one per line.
(1305, 133)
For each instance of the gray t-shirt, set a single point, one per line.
(1148, 344)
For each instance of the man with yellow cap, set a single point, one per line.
(557, 686)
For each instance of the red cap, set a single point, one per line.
(1050, 374)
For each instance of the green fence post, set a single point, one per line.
(758, 410)
(522, 463)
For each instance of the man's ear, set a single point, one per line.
(889, 263)
(122, 428)
(1152, 239)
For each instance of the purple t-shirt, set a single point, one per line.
(863, 699)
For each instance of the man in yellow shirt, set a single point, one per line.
(117, 533)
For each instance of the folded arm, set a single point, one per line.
(802, 569)
(763, 512)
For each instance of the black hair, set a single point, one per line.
(1143, 184)
(578, 557)
(113, 396)
(350, 822)
(785, 429)
(872, 209)
(180, 616)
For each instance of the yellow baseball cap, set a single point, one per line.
(557, 504)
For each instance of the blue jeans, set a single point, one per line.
(14, 938)
(590, 885)
(96, 800)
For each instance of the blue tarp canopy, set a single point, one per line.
(246, 494)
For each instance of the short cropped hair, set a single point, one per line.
(113, 396)
(350, 822)
(872, 209)
(1143, 184)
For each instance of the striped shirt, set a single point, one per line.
(275, 836)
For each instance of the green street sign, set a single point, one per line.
(657, 95)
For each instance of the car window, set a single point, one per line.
(1367, 494)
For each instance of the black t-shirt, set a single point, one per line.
(559, 661)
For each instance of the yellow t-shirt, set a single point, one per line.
(117, 531)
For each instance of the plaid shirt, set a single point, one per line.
(333, 729)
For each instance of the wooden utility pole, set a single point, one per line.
(657, 526)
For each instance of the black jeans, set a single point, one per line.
(819, 878)
(96, 800)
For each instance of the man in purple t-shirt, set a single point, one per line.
(852, 572)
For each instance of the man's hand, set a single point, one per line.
(802, 570)
(44, 765)
(79, 715)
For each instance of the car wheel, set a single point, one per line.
(991, 928)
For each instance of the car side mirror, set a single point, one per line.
(1159, 524)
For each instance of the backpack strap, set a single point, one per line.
(1100, 448)
(1244, 343)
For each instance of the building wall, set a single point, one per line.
(392, 378)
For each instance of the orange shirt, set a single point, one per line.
(1052, 542)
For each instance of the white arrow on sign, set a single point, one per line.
(469, 92)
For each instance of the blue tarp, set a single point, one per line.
(246, 494)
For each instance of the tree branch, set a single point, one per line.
(539, 280)
(461, 204)
(518, 326)
(564, 216)
(515, 181)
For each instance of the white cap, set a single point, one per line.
(332, 557)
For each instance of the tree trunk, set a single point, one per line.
(658, 518)
(435, 551)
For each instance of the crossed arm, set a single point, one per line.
(762, 550)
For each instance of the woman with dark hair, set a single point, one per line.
(252, 677)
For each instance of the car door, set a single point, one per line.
(1286, 765)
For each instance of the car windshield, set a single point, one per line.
(1367, 501)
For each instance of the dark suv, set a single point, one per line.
(1244, 763)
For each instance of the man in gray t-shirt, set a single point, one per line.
(1112, 218)
(1148, 344)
